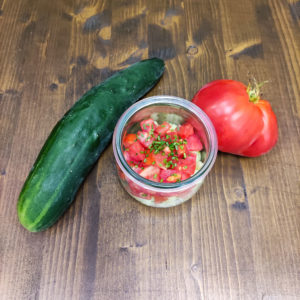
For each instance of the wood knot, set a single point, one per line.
(192, 50)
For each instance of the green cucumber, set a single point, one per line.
(76, 142)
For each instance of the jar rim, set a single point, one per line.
(176, 102)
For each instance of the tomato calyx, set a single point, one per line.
(253, 89)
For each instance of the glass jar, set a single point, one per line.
(177, 111)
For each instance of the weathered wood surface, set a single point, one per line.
(238, 238)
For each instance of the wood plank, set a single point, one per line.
(238, 237)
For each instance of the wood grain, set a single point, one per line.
(237, 238)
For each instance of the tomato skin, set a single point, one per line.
(239, 123)
(163, 128)
(194, 143)
(136, 151)
(186, 130)
(145, 138)
(150, 159)
(268, 136)
(148, 125)
(129, 139)
(151, 173)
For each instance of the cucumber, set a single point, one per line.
(76, 142)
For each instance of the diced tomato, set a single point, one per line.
(129, 139)
(167, 150)
(163, 128)
(136, 151)
(172, 136)
(182, 150)
(160, 160)
(164, 174)
(120, 172)
(138, 191)
(148, 125)
(136, 167)
(127, 156)
(194, 143)
(160, 199)
(184, 176)
(150, 159)
(174, 177)
(187, 165)
(186, 130)
(151, 173)
(174, 161)
(145, 138)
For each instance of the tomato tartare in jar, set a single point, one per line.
(164, 147)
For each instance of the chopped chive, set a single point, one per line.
(185, 167)
(161, 180)
(153, 163)
(155, 176)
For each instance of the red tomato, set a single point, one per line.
(174, 177)
(187, 165)
(186, 130)
(151, 173)
(129, 139)
(136, 151)
(171, 136)
(245, 125)
(127, 156)
(145, 138)
(160, 160)
(163, 128)
(150, 159)
(193, 143)
(138, 191)
(182, 150)
(148, 125)
(167, 150)
(160, 199)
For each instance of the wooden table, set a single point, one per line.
(237, 238)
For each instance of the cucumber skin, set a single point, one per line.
(76, 142)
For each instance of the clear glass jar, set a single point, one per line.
(162, 108)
